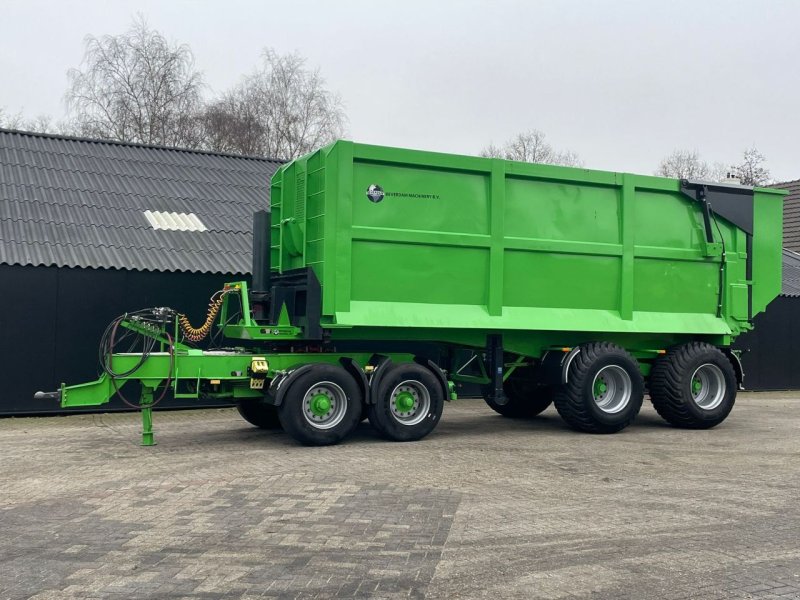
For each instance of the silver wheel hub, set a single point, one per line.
(708, 386)
(410, 402)
(324, 405)
(612, 389)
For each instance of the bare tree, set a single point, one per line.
(40, 124)
(719, 171)
(685, 164)
(136, 87)
(282, 110)
(492, 151)
(532, 146)
(751, 171)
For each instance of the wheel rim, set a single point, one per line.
(410, 402)
(611, 389)
(324, 405)
(708, 386)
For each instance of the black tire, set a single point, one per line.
(601, 363)
(259, 413)
(672, 382)
(416, 384)
(526, 397)
(344, 400)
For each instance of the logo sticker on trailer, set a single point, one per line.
(375, 193)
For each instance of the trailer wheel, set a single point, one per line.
(259, 413)
(526, 396)
(409, 403)
(604, 389)
(693, 386)
(322, 406)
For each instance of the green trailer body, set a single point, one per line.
(383, 275)
(452, 247)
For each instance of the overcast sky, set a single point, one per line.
(621, 83)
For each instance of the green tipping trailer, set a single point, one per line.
(383, 275)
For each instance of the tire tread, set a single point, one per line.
(569, 399)
(667, 382)
(259, 414)
(384, 423)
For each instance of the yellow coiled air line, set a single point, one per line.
(195, 334)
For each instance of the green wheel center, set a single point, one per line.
(600, 387)
(320, 405)
(697, 385)
(404, 402)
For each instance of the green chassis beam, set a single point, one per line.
(229, 369)
(226, 373)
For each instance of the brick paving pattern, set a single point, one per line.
(483, 508)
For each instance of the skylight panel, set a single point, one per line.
(172, 221)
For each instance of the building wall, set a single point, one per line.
(52, 319)
(770, 359)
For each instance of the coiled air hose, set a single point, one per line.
(195, 334)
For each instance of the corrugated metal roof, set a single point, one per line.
(791, 274)
(74, 202)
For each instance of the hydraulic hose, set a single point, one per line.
(195, 334)
(117, 389)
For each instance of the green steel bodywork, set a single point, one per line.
(460, 246)
(447, 249)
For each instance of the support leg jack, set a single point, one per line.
(147, 416)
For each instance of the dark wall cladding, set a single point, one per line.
(771, 349)
(52, 319)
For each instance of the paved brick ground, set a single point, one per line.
(483, 508)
